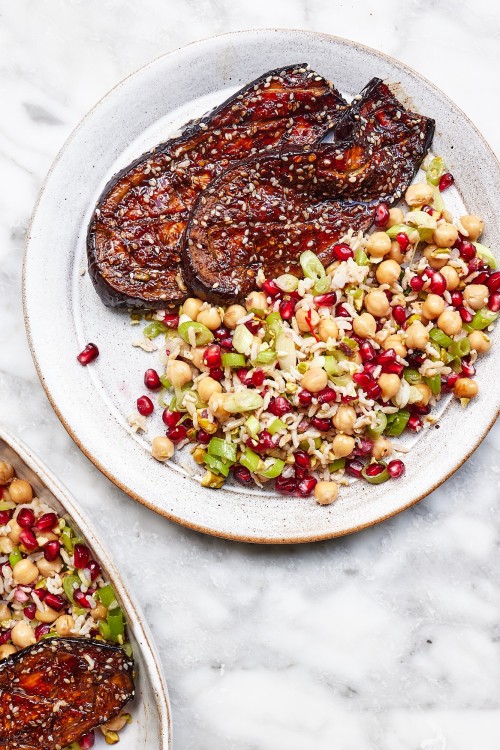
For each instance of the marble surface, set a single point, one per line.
(386, 640)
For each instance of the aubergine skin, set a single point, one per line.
(56, 691)
(265, 211)
(136, 233)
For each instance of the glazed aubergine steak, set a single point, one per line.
(135, 236)
(56, 691)
(266, 210)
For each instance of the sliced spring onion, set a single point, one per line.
(116, 624)
(460, 348)
(105, 632)
(287, 282)
(230, 359)
(253, 425)
(379, 478)
(440, 338)
(377, 429)
(222, 448)
(456, 364)
(217, 465)
(107, 597)
(15, 557)
(285, 351)
(361, 257)
(434, 383)
(165, 381)
(276, 425)
(353, 345)
(274, 324)
(154, 329)
(251, 460)
(192, 329)
(485, 254)
(341, 380)
(435, 170)
(70, 583)
(411, 232)
(331, 365)
(421, 220)
(322, 285)
(312, 267)
(242, 400)
(482, 319)
(336, 465)
(354, 291)
(265, 357)
(274, 469)
(242, 339)
(7, 505)
(397, 422)
(437, 200)
(304, 444)
(412, 376)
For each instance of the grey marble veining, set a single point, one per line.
(386, 640)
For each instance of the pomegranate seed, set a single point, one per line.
(438, 283)
(468, 369)
(416, 283)
(244, 376)
(481, 278)
(80, 598)
(403, 241)
(366, 351)
(203, 437)
(258, 377)
(47, 521)
(396, 468)
(171, 418)
(81, 556)
(389, 355)
(323, 425)
(4, 517)
(428, 209)
(26, 518)
(422, 410)
(306, 486)
(399, 314)
(459, 241)
(494, 302)
(212, 356)
(493, 282)
(94, 569)
(415, 360)
(28, 540)
(87, 741)
(145, 406)
(287, 309)
(21, 596)
(265, 442)
(467, 250)
(448, 381)
(465, 314)
(41, 630)
(221, 333)
(342, 251)
(369, 369)
(381, 215)
(457, 299)
(305, 397)
(54, 601)
(476, 264)
(88, 355)
(285, 486)
(342, 312)
(51, 550)
(325, 300)
(373, 470)
(152, 380)
(374, 391)
(216, 373)
(446, 181)
(301, 473)
(327, 395)
(5, 636)
(242, 474)
(414, 423)
(354, 467)
(253, 326)
(226, 343)
(302, 459)
(426, 274)
(393, 367)
(363, 379)
(171, 320)
(279, 406)
(271, 288)
(178, 433)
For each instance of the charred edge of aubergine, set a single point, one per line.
(92, 642)
(110, 296)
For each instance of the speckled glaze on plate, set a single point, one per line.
(150, 709)
(63, 312)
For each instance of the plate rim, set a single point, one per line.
(315, 537)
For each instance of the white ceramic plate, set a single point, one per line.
(63, 312)
(150, 709)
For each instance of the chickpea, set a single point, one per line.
(388, 272)
(378, 245)
(232, 315)
(396, 216)
(7, 650)
(328, 329)
(389, 384)
(395, 341)
(450, 322)
(5, 613)
(6, 545)
(425, 394)
(451, 276)
(210, 318)
(417, 336)
(179, 373)
(314, 380)
(475, 295)
(365, 325)
(445, 235)
(191, 307)
(419, 194)
(216, 406)
(64, 625)
(116, 724)
(435, 260)
(47, 569)
(479, 341)
(344, 418)
(48, 615)
(206, 387)
(377, 304)
(382, 447)
(465, 388)
(100, 612)
(342, 445)
(256, 300)
(23, 635)
(473, 225)
(433, 306)
(326, 493)
(162, 448)
(25, 572)
(306, 319)
(20, 491)
(395, 253)
(6, 472)
(198, 354)
(15, 531)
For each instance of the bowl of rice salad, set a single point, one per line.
(312, 381)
